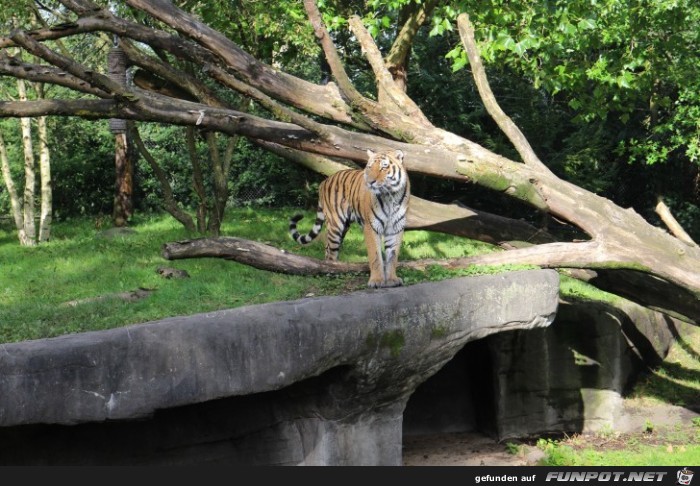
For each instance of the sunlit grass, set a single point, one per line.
(677, 379)
(50, 289)
(644, 455)
(579, 290)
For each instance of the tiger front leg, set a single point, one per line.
(392, 243)
(374, 254)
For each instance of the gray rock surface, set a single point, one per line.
(572, 376)
(313, 381)
(569, 377)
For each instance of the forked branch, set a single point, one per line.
(397, 59)
(387, 88)
(511, 130)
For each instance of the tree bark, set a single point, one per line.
(46, 212)
(15, 201)
(672, 223)
(124, 177)
(413, 16)
(28, 238)
(203, 207)
(258, 255)
(504, 122)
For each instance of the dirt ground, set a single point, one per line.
(458, 449)
(474, 449)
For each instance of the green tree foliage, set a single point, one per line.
(83, 168)
(276, 31)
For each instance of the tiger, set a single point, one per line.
(376, 198)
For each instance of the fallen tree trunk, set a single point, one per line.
(474, 224)
(676, 301)
(270, 258)
(258, 255)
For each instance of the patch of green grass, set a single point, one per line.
(677, 379)
(579, 290)
(639, 455)
(436, 273)
(38, 284)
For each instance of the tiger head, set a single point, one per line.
(384, 172)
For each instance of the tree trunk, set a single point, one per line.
(220, 183)
(46, 214)
(124, 170)
(124, 182)
(28, 237)
(198, 181)
(15, 201)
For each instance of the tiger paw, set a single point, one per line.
(393, 282)
(375, 283)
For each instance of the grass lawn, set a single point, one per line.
(53, 288)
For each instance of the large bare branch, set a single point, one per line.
(314, 162)
(320, 100)
(478, 225)
(347, 88)
(96, 80)
(15, 67)
(258, 255)
(388, 89)
(401, 118)
(466, 32)
(324, 101)
(188, 85)
(201, 92)
(266, 257)
(270, 258)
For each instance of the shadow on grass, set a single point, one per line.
(677, 379)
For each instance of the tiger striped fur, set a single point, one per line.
(377, 199)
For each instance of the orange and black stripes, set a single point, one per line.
(377, 199)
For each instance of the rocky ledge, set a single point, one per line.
(313, 381)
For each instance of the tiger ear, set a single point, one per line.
(370, 154)
(399, 155)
